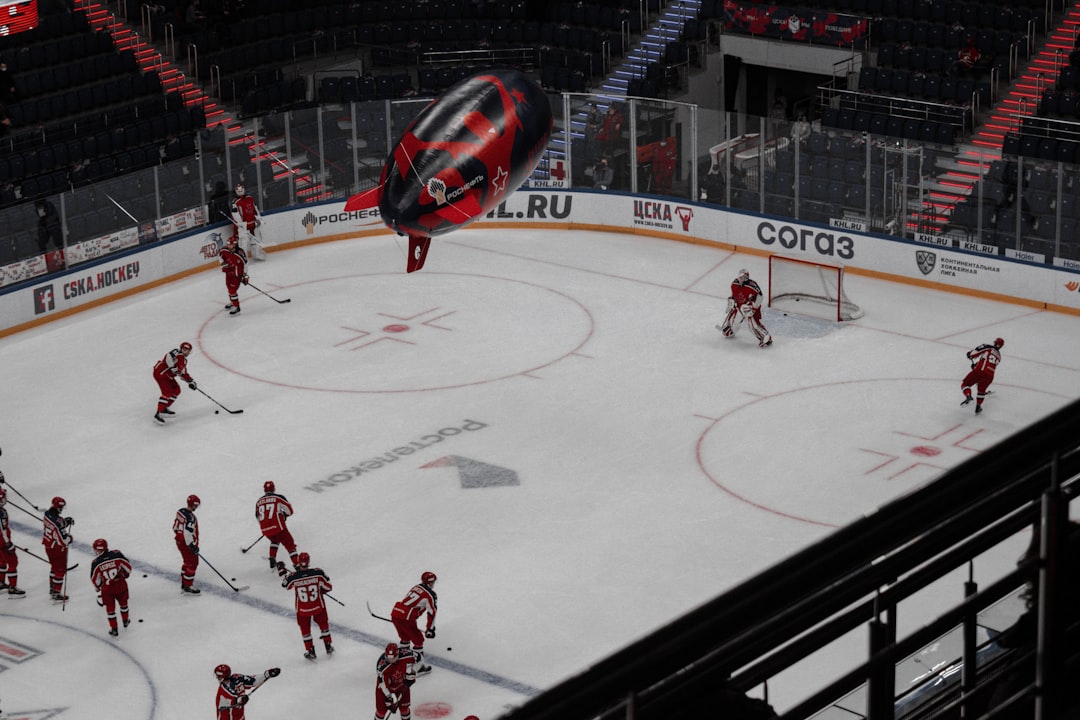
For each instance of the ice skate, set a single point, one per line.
(157, 418)
(978, 409)
(235, 311)
(166, 411)
(766, 342)
(967, 401)
(114, 632)
(310, 655)
(423, 670)
(189, 590)
(16, 593)
(329, 649)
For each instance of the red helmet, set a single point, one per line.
(222, 671)
(185, 347)
(999, 343)
(193, 502)
(428, 578)
(303, 560)
(391, 651)
(100, 546)
(58, 503)
(268, 486)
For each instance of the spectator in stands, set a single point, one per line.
(7, 84)
(611, 130)
(800, 129)
(50, 235)
(194, 16)
(603, 175)
(966, 59)
(713, 187)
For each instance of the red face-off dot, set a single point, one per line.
(395, 328)
(925, 450)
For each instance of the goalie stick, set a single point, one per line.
(377, 617)
(231, 412)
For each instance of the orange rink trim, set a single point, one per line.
(660, 234)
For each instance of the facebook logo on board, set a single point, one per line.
(44, 299)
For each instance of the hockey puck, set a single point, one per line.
(144, 574)
(217, 412)
(234, 579)
(449, 649)
(140, 619)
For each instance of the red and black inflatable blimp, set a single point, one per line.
(462, 155)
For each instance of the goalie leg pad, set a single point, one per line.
(755, 325)
(732, 320)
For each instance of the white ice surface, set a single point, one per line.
(657, 464)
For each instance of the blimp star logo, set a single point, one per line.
(498, 183)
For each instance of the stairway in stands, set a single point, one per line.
(149, 57)
(648, 51)
(1022, 99)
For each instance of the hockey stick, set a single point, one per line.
(377, 617)
(244, 550)
(23, 497)
(279, 302)
(326, 594)
(234, 588)
(19, 507)
(44, 560)
(231, 412)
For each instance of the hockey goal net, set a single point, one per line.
(810, 288)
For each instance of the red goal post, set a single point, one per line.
(810, 288)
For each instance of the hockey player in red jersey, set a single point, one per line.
(109, 572)
(9, 561)
(57, 538)
(271, 510)
(745, 304)
(309, 584)
(186, 533)
(234, 265)
(246, 222)
(421, 599)
(167, 369)
(393, 683)
(984, 361)
(234, 690)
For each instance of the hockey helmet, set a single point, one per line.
(999, 343)
(58, 503)
(428, 578)
(391, 651)
(100, 546)
(193, 502)
(222, 671)
(303, 560)
(268, 486)
(185, 347)
(744, 274)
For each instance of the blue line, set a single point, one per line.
(290, 614)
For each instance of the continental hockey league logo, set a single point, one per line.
(926, 261)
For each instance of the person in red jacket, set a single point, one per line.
(186, 534)
(406, 614)
(246, 222)
(57, 538)
(271, 510)
(664, 166)
(234, 265)
(109, 572)
(393, 683)
(167, 369)
(984, 362)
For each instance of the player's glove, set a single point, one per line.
(241, 701)
(747, 309)
(430, 632)
(193, 548)
(272, 672)
(69, 521)
(10, 547)
(244, 279)
(193, 385)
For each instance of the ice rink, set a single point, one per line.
(547, 420)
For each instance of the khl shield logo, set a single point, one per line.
(44, 299)
(926, 261)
